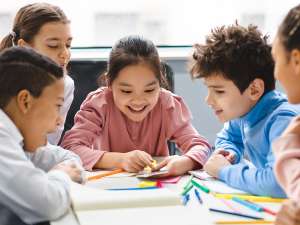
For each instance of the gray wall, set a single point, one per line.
(194, 93)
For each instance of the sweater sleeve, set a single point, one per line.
(287, 165)
(184, 134)
(259, 181)
(28, 191)
(87, 128)
(230, 139)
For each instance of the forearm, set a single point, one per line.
(110, 160)
(199, 155)
(252, 180)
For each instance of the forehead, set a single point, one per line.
(141, 72)
(55, 30)
(54, 91)
(217, 80)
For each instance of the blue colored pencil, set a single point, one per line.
(235, 214)
(198, 196)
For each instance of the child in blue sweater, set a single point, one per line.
(237, 67)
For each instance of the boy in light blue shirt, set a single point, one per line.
(237, 67)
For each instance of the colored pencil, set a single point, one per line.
(105, 174)
(245, 222)
(235, 214)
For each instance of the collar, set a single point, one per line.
(266, 105)
(7, 124)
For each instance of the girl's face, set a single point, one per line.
(54, 40)
(287, 70)
(135, 91)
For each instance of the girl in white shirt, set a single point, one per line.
(45, 28)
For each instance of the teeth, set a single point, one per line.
(137, 109)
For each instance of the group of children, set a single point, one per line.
(127, 122)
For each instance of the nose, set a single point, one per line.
(64, 54)
(59, 121)
(138, 100)
(209, 99)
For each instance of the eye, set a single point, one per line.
(150, 90)
(68, 45)
(53, 46)
(219, 91)
(126, 92)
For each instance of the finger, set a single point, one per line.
(145, 159)
(162, 164)
(224, 153)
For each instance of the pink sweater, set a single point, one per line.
(287, 165)
(101, 127)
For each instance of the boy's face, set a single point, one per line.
(226, 99)
(42, 115)
(286, 70)
(136, 91)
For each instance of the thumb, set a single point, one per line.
(162, 164)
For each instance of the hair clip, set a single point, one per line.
(295, 28)
(14, 35)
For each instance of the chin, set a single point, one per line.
(294, 99)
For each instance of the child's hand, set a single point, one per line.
(75, 173)
(289, 213)
(176, 165)
(215, 163)
(230, 156)
(136, 160)
(293, 127)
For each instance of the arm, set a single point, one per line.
(86, 130)
(186, 137)
(287, 166)
(46, 157)
(259, 181)
(230, 140)
(30, 192)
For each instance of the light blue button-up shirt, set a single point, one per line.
(28, 187)
(252, 135)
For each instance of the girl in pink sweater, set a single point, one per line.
(126, 123)
(286, 52)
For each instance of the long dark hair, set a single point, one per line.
(132, 50)
(289, 30)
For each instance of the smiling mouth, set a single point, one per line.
(137, 110)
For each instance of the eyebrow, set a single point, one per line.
(57, 39)
(61, 98)
(147, 85)
(215, 86)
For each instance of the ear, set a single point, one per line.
(22, 43)
(24, 101)
(256, 89)
(295, 61)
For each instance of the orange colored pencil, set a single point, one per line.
(108, 173)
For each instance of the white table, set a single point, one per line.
(192, 213)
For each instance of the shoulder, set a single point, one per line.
(69, 82)
(170, 100)
(173, 105)
(99, 98)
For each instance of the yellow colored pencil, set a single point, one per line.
(250, 197)
(108, 173)
(245, 222)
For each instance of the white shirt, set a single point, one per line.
(27, 187)
(53, 138)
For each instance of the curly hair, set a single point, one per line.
(238, 53)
